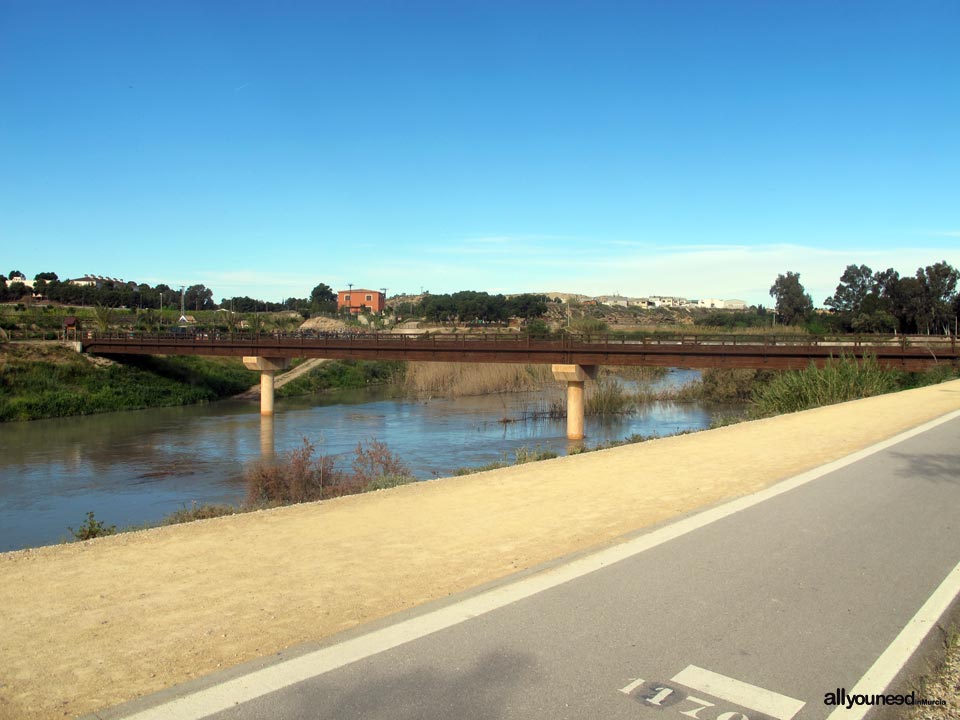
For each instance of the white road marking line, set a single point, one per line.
(203, 703)
(632, 686)
(739, 692)
(886, 667)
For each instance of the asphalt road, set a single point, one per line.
(755, 609)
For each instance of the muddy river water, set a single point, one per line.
(133, 468)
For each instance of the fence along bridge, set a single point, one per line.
(574, 358)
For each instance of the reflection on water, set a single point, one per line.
(136, 467)
(267, 437)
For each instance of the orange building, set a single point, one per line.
(358, 300)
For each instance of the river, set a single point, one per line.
(133, 468)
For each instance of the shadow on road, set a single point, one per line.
(941, 467)
(480, 691)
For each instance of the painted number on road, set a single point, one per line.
(661, 696)
(723, 692)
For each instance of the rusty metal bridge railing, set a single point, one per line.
(666, 350)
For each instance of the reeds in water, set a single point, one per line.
(460, 379)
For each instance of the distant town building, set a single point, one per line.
(722, 304)
(16, 278)
(667, 301)
(99, 281)
(358, 300)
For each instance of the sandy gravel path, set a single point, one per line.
(91, 624)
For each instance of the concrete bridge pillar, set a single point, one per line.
(575, 376)
(268, 368)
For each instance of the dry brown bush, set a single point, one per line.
(298, 476)
(294, 478)
(374, 462)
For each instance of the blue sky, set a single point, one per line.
(685, 148)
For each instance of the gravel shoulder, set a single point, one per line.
(88, 625)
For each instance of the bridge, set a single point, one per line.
(574, 358)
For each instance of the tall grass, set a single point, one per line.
(838, 381)
(460, 379)
(606, 396)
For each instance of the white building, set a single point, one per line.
(718, 304)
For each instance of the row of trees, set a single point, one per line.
(470, 306)
(114, 294)
(878, 302)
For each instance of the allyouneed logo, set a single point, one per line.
(840, 697)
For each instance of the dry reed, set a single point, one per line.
(460, 379)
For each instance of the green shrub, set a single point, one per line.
(385, 482)
(523, 455)
(92, 528)
(838, 381)
(198, 512)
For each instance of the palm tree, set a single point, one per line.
(104, 316)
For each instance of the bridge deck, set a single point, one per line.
(690, 351)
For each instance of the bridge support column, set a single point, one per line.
(268, 368)
(575, 376)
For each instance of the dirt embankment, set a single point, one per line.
(92, 624)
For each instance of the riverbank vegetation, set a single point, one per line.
(303, 475)
(338, 374)
(48, 380)
(448, 379)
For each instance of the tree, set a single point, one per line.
(855, 284)
(17, 290)
(527, 306)
(793, 303)
(46, 276)
(104, 317)
(199, 297)
(938, 285)
(904, 298)
(323, 298)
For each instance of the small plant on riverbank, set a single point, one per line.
(92, 528)
(521, 456)
(199, 512)
(524, 454)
